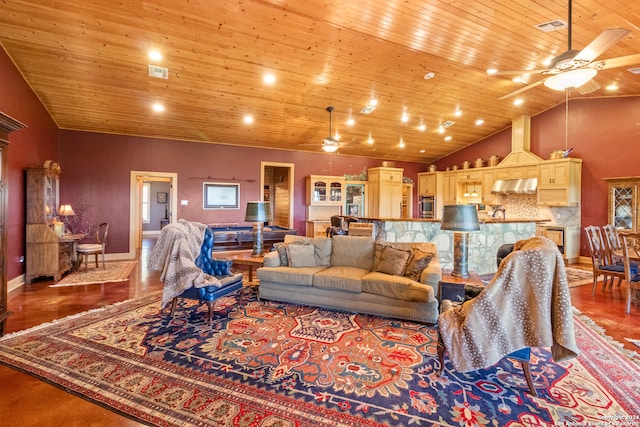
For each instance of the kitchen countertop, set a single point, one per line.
(482, 221)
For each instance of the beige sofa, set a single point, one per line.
(354, 274)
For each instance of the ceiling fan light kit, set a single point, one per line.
(570, 79)
(329, 144)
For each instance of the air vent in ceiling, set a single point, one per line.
(554, 25)
(368, 109)
(634, 70)
(448, 124)
(159, 72)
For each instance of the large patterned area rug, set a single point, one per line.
(270, 364)
(113, 272)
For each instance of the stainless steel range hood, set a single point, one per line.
(515, 186)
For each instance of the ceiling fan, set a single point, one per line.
(329, 144)
(574, 68)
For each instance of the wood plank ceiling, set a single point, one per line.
(87, 62)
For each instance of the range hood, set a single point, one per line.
(520, 155)
(515, 186)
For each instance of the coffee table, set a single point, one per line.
(242, 257)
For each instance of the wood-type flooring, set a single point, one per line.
(28, 402)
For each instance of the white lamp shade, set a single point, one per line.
(66, 210)
(570, 79)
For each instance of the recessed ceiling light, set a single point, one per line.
(429, 75)
(492, 71)
(269, 78)
(350, 121)
(447, 138)
(440, 129)
(517, 79)
(422, 127)
(457, 113)
(155, 55)
(612, 86)
(422, 151)
(518, 101)
(157, 107)
(401, 145)
(479, 122)
(404, 118)
(370, 140)
(248, 119)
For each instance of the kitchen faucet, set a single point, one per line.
(495, 212)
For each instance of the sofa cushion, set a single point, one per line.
(322, 247)
(352, 251)
(343, 278)
(398, 287)
(301, 255)
(301, 276)
(418, 262)
(393, 261)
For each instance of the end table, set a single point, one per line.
(452, 287)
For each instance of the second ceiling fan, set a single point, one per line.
(574, 68)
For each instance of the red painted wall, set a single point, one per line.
(604, 132)
(97, 171)
(27, 147)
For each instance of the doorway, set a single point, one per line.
(137, 178)
(276, 182)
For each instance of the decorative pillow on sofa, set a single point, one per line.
(393, 261)
(417, 263)
(301, 255)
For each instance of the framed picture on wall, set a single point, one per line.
(162, 197)
(221, 196)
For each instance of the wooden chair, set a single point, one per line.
(612, 241)
(86, 249)
(631, 254)
(601, 259)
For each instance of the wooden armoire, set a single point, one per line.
(7, 125)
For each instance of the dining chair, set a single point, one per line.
(600, 260)
(613, 241)
(97, 248)
(631, 253)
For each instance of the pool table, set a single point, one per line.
(241, 237)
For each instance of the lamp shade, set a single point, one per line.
(66, 210)
(257, 212)
(570, 79)
(460, 218)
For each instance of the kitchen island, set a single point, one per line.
(483, 244)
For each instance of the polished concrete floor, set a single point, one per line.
(27, 401)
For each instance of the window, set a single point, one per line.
(146, 203)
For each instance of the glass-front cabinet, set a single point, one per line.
(623, 202)
(355, 198)
(325, 190)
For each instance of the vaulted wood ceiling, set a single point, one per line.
(87, 61)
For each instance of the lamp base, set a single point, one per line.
(257, 240)
(460, 254)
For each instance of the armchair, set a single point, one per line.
(527, 304)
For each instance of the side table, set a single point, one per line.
(242, 257)
(452, 287)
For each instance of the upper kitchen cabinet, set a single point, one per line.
(525, 171)
(385, 192)
(488, 179)
(469, 175)
(428, 183)
(449, 189)
(325, 190)
(623, 202)
(559, 182)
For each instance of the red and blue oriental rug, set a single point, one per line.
(271, 364)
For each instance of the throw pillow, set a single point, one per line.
(282, 252)
(393, 261)
(301, 255)
(418, 262)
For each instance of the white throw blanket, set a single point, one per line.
(174, 255)
(526, 304)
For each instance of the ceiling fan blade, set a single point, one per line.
(620, 61)
(604, 41)
(510, 73)
(532, 85)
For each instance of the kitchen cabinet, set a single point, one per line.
(469, 176)
(525, 171)
(385, 192)
(355, 198)
(488, 198)
(325, 190)
(428, 183)
(566, 238)
(407, 201)
(623, 202)
(559, 182)
(449, 189)
(7, 125)
(317, 228)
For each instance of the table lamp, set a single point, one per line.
(257, 213)
(65, 211)
(460, 219)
